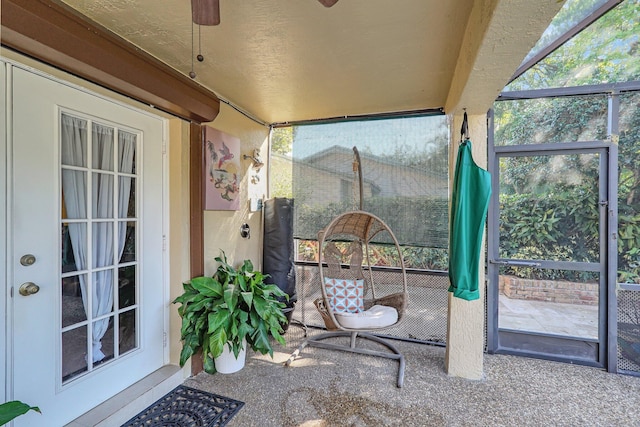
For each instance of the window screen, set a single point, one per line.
(405, 176)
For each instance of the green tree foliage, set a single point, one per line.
(540, 219)
(281, 170)
(551, 120)
(559, 226)
(607, 51)
(539, 213)
(571, 14)
(280, 179)
(282, 140)
(629, 189)
(433, 156)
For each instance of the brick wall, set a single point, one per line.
(549, 290)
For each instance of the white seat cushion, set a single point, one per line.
(378, 316)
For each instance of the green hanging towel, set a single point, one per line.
(469, 204)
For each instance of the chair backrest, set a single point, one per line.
(346, 263)
(345, 255)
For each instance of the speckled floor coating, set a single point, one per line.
(330, 388)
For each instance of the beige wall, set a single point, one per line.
(222, 228)
(178, 253)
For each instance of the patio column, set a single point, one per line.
(465, 325)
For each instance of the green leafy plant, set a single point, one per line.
(233, 305)
(13, 409)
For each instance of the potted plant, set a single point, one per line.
(225, 310)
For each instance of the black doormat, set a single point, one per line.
(186, 407)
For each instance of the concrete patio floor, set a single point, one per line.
(331, 388)
(548, 317)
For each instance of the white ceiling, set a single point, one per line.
(292, 60)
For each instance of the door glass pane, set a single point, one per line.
(74, 352)
(127, 197)
(126, 286)
(556, 302)
(73, 198)
(73, 232)
(102, 240)
(129, 250)
(105, 328)
(550, 120)
(549, 207)
(127, 333)
(629, 190)
(102, 291)
(102, 195)
(127, 152)
(72, 306)
(73, 141)
(102, 153)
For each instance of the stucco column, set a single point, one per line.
(465, 325)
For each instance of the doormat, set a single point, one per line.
(185, 406)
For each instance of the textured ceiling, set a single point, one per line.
(291, 60)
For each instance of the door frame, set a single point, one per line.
(4, 294)
(6, 327)
(607, 322)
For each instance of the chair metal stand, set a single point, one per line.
(318, 341)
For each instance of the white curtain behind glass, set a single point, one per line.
(102, 198)
(102, 239)
(126, 157)
(74, 187)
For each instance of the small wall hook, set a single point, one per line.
(464, 130)
(255, 159)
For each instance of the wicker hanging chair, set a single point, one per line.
(358, 299)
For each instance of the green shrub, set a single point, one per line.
(563, 227)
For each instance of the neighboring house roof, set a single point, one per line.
(322, 157)
(322, 167)
(387, 176)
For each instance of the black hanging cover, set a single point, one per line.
(277, 255)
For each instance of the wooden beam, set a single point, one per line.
(196, 208)
(56, 34)
(196, 187)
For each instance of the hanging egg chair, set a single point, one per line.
(359, 299)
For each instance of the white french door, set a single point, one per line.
(86, 248)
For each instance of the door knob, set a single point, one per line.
(28, 288)
(27, 260)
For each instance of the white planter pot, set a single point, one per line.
(227, 363)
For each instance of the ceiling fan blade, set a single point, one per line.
(205, 12)
(328, 3)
